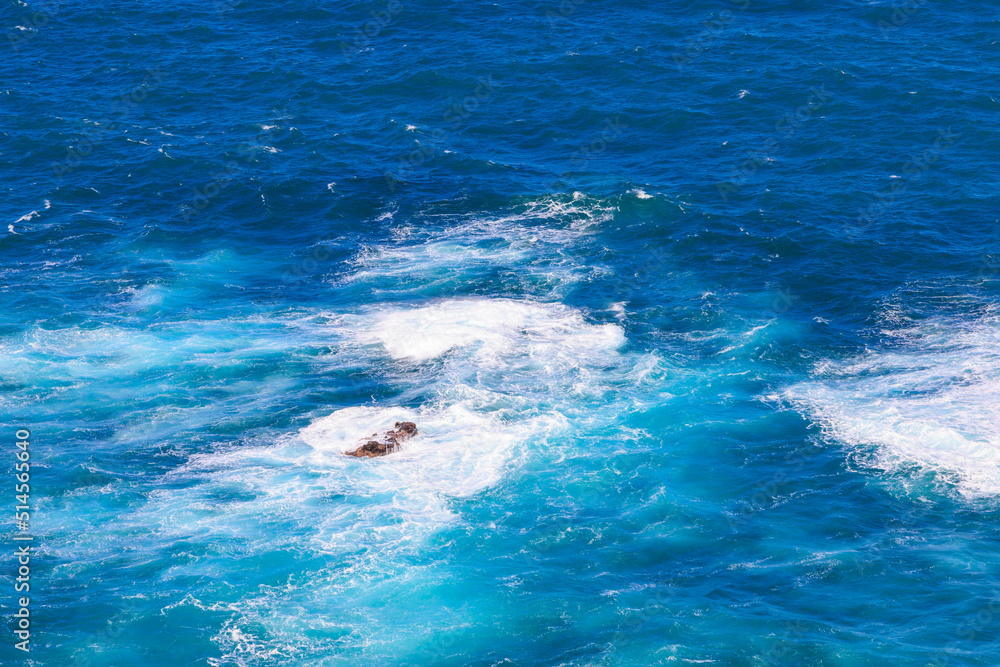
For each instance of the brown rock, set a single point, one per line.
(389, 443)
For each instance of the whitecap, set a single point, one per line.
(27, 217)
(534, 239)
(929, 404)
(494, 326)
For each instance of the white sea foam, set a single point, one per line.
(931, 404)
(27, 217)
(458, 451)
(534, 242)
(507, 379)
(495, 327)
(497, 363)
(145, 296)
(490, 383)
(508, 385)
(502, 359)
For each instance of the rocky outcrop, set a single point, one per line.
(388, 443)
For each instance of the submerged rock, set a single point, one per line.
(388, 444)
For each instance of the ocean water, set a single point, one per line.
(695, 306)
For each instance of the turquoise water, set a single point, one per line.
(695, 307)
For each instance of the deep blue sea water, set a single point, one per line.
(694, 304)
